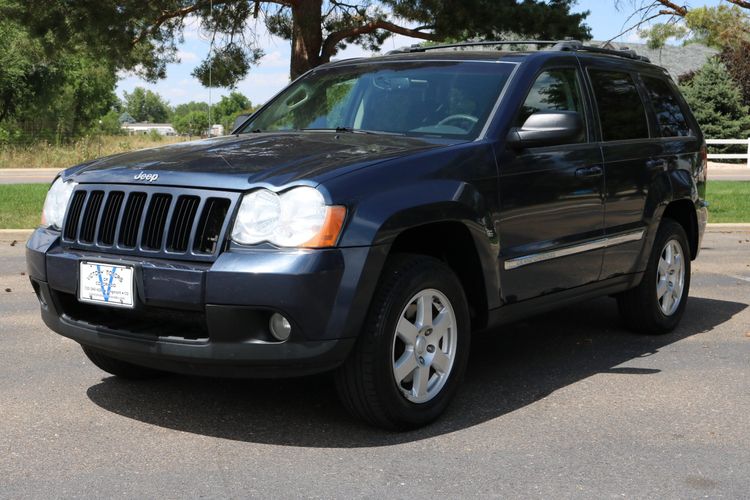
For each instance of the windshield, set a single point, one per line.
(451, 99)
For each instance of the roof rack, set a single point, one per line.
(425, 48)
(560, 45)
(576, 45)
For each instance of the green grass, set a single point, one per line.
(21, 205)
(728, 201)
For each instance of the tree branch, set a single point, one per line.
(674, 8)
(330, 43)
(185, 11)
(740, 3)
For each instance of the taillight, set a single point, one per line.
(704, 162)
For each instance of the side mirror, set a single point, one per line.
(547, 128)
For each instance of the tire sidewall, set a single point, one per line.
(668, 231)
(406, 287)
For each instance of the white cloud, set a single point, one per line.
(275, 59)
(185, 55)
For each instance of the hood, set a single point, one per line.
(239, 162)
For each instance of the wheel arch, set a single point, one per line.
(459, 252)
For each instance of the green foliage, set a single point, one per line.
(45, 96)
(146, 106)
(229, 108)
(716, 101)
(723, 26)
(155, 136)
(185, 108)
(109, 124)
(191, 123)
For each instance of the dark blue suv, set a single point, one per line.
(374, 214)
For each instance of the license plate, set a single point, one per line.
(105, 284)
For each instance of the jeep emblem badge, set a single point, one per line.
(141, 176)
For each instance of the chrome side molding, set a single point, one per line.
(609, 241)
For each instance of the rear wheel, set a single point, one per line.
(412, 353)
(658, 303)
(119, 368)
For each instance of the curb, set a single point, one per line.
(19, 235)
(727, 228)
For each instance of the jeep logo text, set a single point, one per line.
(146, 177)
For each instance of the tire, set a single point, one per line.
(119, 368)
(643, 308)
(367, 382)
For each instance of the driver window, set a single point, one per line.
(554, 90)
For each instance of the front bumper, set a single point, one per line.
(212, 318)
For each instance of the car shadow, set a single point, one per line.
(508, 370)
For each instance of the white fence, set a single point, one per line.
(730, 156)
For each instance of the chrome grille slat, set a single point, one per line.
(187, 224)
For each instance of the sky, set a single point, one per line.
(272, 74)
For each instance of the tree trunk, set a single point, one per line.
(307, 36)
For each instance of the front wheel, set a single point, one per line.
(412, 353)
(658, 303)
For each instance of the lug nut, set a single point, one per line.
(430, 348)
(428, 332)
(421, 360)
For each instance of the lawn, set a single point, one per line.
(21, 204)
(728, 201)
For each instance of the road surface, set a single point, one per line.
(567, 405)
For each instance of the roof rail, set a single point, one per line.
(578, 46)
(425, 48)
(561, 45)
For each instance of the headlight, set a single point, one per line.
(296, 218)
(56, 202)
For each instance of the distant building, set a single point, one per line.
(215, 131)
(148, 128)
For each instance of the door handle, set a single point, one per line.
(594, 171)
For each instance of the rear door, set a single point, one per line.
(630, 152)
(551, 197)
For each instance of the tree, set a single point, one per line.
(229, 108)
(719, 26)
(143, 36)
(192, 123)
(146, 106)
(717, 102)
(185, 108)
(50, 97)
(109, 124)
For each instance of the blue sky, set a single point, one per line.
(271, 75)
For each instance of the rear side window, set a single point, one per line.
(668, 111)
(621, 109)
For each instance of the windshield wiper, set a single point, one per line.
(349, 130)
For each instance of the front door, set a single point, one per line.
(551, 199)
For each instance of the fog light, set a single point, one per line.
(280, 327)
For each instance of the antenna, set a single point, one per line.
(210, 65)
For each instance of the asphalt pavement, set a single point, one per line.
(566, 405)
(27, 175)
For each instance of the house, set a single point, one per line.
(148, 128)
